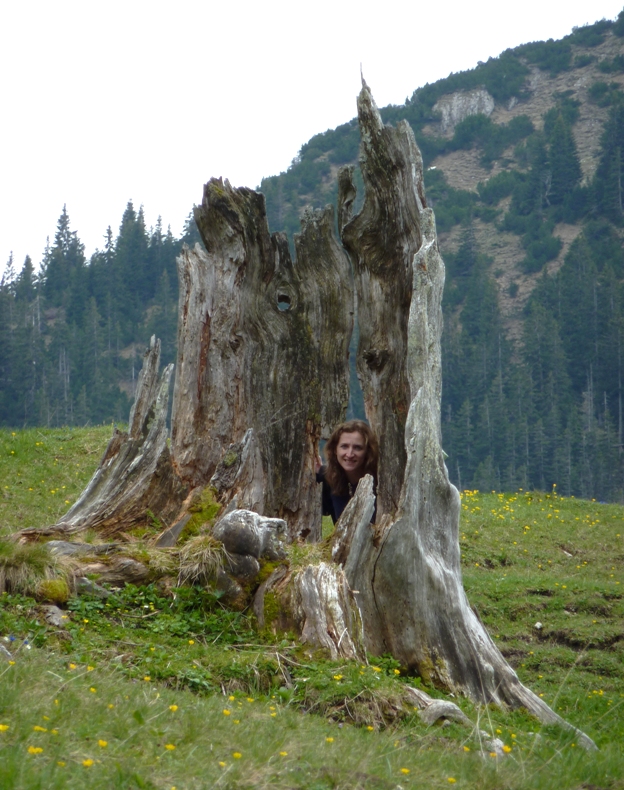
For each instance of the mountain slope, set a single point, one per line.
(524, 171)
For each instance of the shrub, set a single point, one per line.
(590, 35)
(612, 65)
(498, 187)
(604, 94)
(582, 60)
(552, 56)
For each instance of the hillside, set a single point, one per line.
(524, 168)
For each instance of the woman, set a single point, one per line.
(352, 452)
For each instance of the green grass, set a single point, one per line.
(44, 470)
(112, 672)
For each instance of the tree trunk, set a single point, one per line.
(262, 345)
(406, 568)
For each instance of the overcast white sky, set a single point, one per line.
(103, 102)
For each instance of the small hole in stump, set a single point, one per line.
(283, 302)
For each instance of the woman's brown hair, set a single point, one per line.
(335, 474)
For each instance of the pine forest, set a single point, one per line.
(524, 160)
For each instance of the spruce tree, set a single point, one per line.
(565, 166)
(607, 183)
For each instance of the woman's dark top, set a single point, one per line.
(334, 504)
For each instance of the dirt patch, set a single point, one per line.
(463, 169)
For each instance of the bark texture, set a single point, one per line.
(262, 345)
(407, 568)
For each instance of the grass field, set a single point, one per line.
(145, 691)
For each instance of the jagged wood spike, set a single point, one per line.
(382, 241)
(135, 474)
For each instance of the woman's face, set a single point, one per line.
(351, 454)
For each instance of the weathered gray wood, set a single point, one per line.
(355, 519)
(239, 478)
(262, 345)
(407, 570)
(169, 537)
(325, 611)
(135, 474)
(382, 240)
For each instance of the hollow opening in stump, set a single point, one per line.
(284, 302)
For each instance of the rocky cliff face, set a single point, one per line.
(455, 107)
(462, 168)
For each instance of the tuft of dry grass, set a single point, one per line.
(161, 562)
(201, 560)
(24, 566)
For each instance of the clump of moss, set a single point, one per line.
(53, 590)
(302, 554)
(204, 514)
(230, 459)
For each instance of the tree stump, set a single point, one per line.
(262, 374)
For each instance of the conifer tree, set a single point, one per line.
(565, 166)
(608, 178)
(64, 269)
